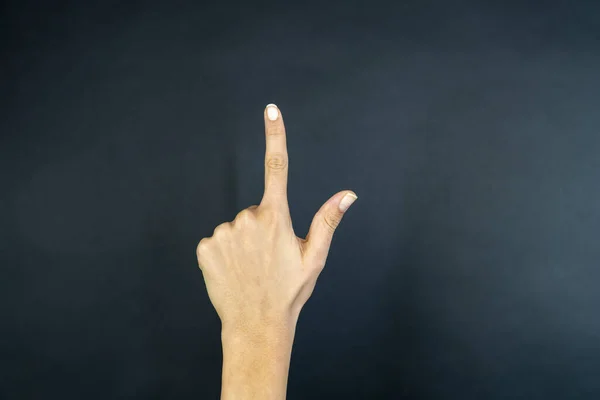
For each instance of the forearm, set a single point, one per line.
(256, 361)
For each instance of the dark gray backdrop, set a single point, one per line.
(468, 268)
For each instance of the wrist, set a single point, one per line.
(267, 331)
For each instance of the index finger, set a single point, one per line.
(276, 158)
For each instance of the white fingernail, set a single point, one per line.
(272, 112)
(347, 201)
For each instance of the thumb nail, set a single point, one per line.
(347, 201)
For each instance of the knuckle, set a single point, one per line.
(244, 216)
(221, 230)
(331, 221)
(277, 162)
(275, 130)
(202, 246)
(270, 214)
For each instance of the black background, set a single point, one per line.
(467, 269)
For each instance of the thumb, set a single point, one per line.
(323, 226)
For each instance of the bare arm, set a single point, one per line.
(256, 363)
(259, 275)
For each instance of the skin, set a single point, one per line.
(259, 275)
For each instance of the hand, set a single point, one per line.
(258, 273)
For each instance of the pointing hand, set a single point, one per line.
(257, 272)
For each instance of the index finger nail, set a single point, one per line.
(272, 112)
